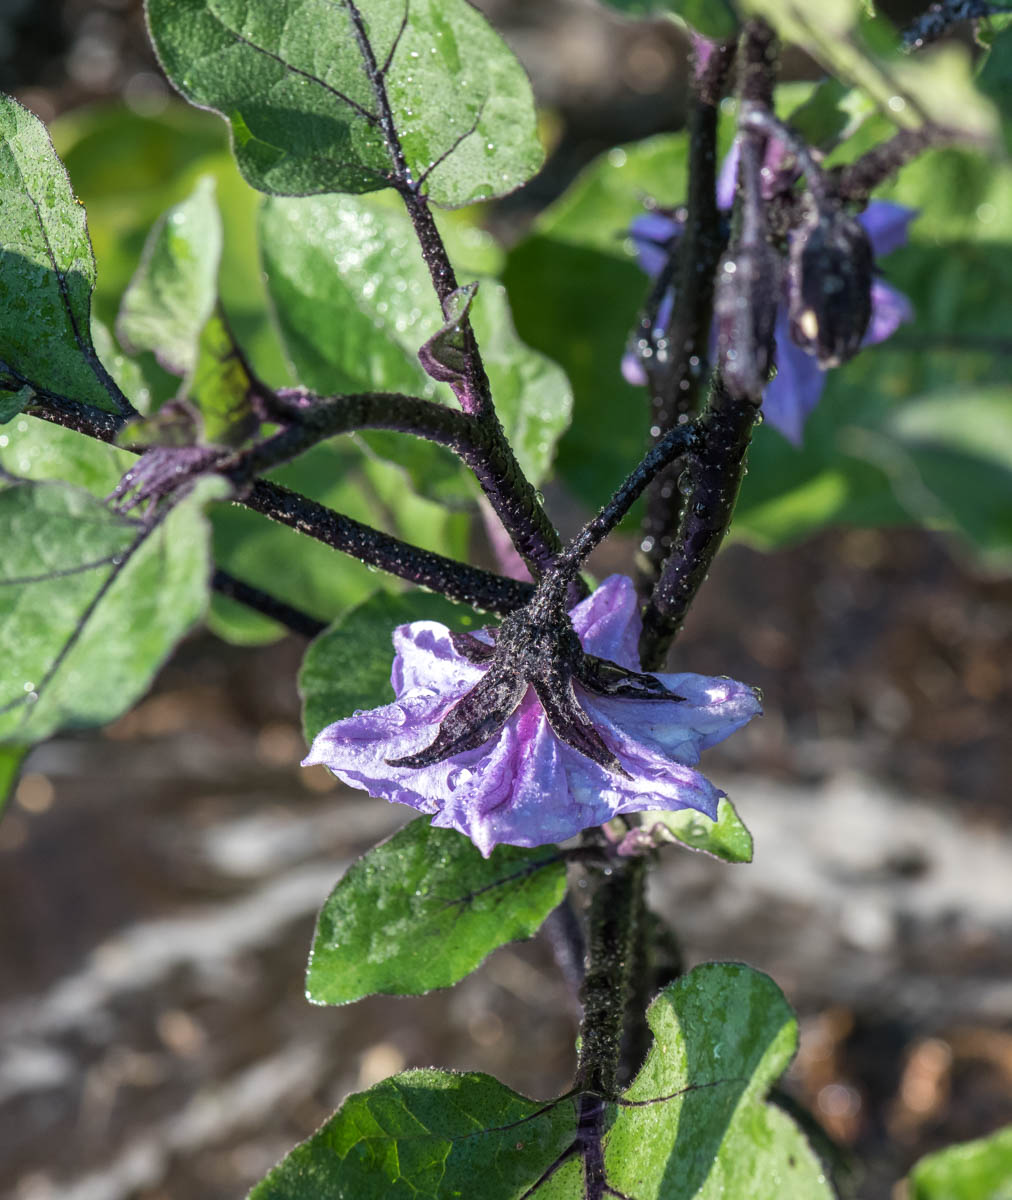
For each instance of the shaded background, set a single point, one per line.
(159, 880)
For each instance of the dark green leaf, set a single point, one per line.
(822, 117)
(426, 1135)
(91, 602)
(295, 81)
(995, 79)
(47, 270)
(423, 909)
(12, 403)
(173, 291)
(11, 758)
(348, 666)
(444, 356)
(980, 1170)
(354, 303)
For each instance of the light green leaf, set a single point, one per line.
(423, 909)
(91, 603)
(303, 82)
(348, 666)
(694, 1124)
(936, 85)
(219, 387)
(725, 838)
(354, 303)
(426, 1135)
(980, 1170)
(173, 291)
(712, 18)
(47, 270)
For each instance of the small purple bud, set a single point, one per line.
(829, 285)
(745, 311)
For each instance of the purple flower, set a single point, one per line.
(525, 786)
(795, 390)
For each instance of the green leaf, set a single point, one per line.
(994, 78)
(11, 758)
(47, 270)
(713, 18)
(725, 838)
(980, 1170)
(12, 403)
(348, 666)
(173, 291)
(865, 51)
(423, 909)
(443, 356)
(354, 303)
(220, 387)
(425, 1135)
(91, 602)
(302, 83)
(824, 116)
(694, 1125)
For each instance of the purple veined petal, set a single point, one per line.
(889, 310)
(713, 708)
(652, 233)
(886, 225)
(608, 622)
(519, 794)
(426, 659)
(654, 783)
(356, 749)
(795, 390)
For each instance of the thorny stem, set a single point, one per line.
(288, 615)
(510, 493)
(675, 387)
(715, 468)
(470, 585)
(615, 908)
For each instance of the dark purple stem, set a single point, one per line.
(674, 389)
(510, 493)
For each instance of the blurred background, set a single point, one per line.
(159, 879)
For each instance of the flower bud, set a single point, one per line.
(829, 285)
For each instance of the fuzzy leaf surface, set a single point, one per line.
(91, 603)
(299, 82)
(423, 909)
(47, 270)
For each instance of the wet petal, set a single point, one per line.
(426, 658)
(608, 622)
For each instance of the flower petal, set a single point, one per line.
(713, 708)
(608, 622)
(886, 225)
(652, 234)
(426, 658)
(796, 388)
(889, 310)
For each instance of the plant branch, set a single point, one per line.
(674, 388)
(459, 581)
(260, 601)
(508, 490)
(470, 585)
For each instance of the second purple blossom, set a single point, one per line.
(794, 392)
